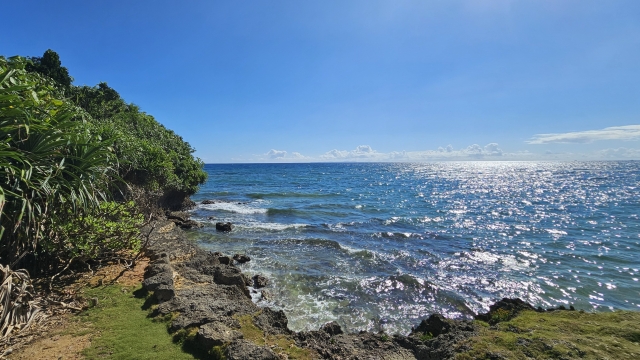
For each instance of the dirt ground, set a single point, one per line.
(60, 336)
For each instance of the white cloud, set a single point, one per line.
(281, 156)
(628, 132)
(491, 151)
(276, 154)
(366, 153)
(360, 152)
(619, 154)
(335, 154)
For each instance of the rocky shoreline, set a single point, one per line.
(206, 297)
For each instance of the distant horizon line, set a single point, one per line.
(409, 162)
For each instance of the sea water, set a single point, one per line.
(379, 246)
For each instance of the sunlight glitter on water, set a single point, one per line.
(384, 245)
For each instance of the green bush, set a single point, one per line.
(65, 152)
(149, 154)
(96, 232)
(50, 164)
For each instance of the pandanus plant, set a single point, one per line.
(49, 162)
(51, 169)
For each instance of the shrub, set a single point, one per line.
(48, 160)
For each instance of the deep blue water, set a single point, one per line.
(383, 245)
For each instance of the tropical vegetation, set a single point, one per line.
(72, 159)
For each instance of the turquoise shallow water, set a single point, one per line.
(380, 246)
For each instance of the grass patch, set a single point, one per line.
(426, 337)
(282, 344)
(558, 335)
(123, 330)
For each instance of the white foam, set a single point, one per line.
(234, 208)
(269, 226)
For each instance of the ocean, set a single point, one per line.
(380, 246)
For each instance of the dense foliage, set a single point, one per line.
(50, 163)
(65, 153)
(149, 154)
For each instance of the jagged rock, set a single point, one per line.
(159, 279)
(272, 322)
(190, 224)
(153, 282)
(157, 268)
(247, 280)
(435, 325)
(181, 216)
(164, 293)
(332, 328)
(226, 227)
(228, 275)
(208, 202)
(216, 334)
(512, 306)
(245, 350)
(260, 281)
(216, 297)
(241, 258)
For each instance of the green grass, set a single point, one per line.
(558, 335)
(124, 331)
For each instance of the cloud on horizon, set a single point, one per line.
(367, 153)
(276, 154)
(491, 151)
(628, 132)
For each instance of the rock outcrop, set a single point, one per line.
(206, 293)
(225, 227)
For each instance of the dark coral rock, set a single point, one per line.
(332, 328)
(272, 322)
(225, 227)
(241, 258)
(260, 281)
(246, 350)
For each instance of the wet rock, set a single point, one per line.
(216, 334)
(241, 258)
(208, 202)
(226, 227)
(260, 281)
(246, 350)
(225, 260)
(332, 328)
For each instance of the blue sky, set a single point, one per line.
(397, 80)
